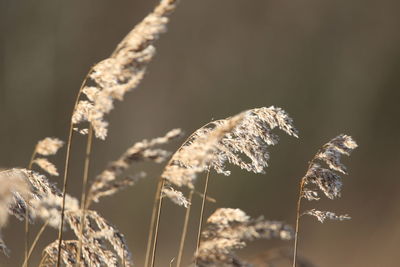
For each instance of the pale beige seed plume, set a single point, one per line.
(91, 255)
(40, 188)
(175, 196)
(48, 208)
(229, 230)
(198, 151)
(241, 140)
(123, 70)
(100, 234)
(247, 145)
(107, 182)
(99, 228)
(97, 231)
(112, 186)
(323, 215)
(44, 201)
(47, 166)
(327, 180)
(12, 184)
(49, 146)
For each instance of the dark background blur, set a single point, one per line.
(333, 65)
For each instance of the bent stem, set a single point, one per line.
(201, 216)
(184, 231)
(84, 186)
(66, 169)
(157, 223)
(296, 235)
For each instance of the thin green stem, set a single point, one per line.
(184, 231)
(84, 188)
(201, 216)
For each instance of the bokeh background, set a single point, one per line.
(333, 65)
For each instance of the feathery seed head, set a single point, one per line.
(49, 146)
(323, 215)
(47, 166)
(327, 180)
(122, 71)
(241, 140)
(228, 230)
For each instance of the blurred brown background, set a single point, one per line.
(333, 65)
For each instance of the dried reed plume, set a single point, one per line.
(98, 235)
(39, 186)
(242, 140)
(246, 135)
(111, 79)
(106, 182)
(326, 180)
(228, 230)
(12, 184)
(227, 141)
(46, 147)
(95, 228)
(122, 71)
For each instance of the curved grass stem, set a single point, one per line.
(66, 169)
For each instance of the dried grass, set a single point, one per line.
(242, 140)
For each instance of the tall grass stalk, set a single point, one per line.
(156, 206)
(327, 180)
(203, 204)
(152, 222)
(38, 235)
(84, 189)
(157, 223)
(66, 169)
(296, 233)
(184, 230)
(26, 258)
